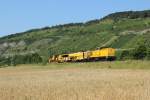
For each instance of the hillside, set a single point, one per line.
(123, 30)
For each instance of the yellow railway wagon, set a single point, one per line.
(63, 58)
(58, 58)
(76, 56)
(54, 58)
(87, 54)
(103, 53)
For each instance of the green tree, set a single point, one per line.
(139, 52)
(126, 54)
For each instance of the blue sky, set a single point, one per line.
(21, 15)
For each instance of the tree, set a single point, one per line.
(125, 55)
(139, 52)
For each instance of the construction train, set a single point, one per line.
(107, 54)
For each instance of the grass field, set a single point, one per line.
(130, 64)
(81, 81)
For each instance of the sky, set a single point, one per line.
(22, 15)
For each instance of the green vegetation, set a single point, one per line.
(129, 32)
(21, 59)
(129, 14)
(128, 64)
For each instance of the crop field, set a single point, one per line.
(76, 83)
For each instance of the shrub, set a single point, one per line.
(126, 55)
(139, 52)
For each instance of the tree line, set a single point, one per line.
(14, 60)
(141, 52)
(129, 14)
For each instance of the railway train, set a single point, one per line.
(107, 54)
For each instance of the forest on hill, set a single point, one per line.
(128, 32)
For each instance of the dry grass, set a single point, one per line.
(74, 84)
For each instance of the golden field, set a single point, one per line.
(25, 83)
